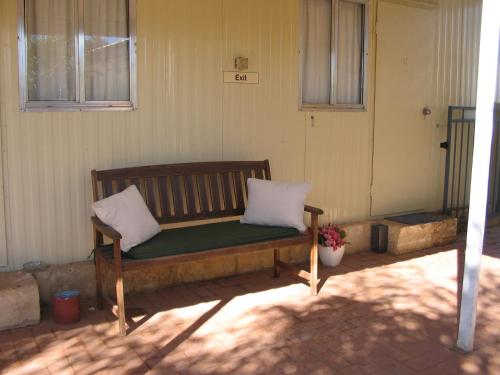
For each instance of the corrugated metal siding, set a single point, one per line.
(262, 120)
(457, 53)
(48, 156)
(455, 81)
(338, 163)
(187, 114)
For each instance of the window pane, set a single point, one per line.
(317, 51)
(350, 53)
(107, 69)
(50, 31)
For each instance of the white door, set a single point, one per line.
(402, 134)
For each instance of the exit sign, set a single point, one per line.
(241, 77)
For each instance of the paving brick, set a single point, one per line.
(375, 314)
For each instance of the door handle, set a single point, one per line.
(426, 111)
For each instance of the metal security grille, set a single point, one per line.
(459, 147)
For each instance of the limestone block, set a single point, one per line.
(19, 300)
(358, 236)
(207, 269)
(407, 238)
(162, 275)
(73, 276)
(254, 261)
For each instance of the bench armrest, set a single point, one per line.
(105, 229)
(313, 210)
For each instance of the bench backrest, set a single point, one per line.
(184, 192)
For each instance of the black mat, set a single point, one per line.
(414, 219)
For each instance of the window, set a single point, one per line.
(334, 46)
(77, 55)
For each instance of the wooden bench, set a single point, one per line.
(185, 193)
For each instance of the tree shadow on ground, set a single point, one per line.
(373, 315)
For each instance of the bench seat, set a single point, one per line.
(185, 254)
(206, 237)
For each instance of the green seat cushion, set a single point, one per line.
(206, 237)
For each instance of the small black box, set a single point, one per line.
(379, 238)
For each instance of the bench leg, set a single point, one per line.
(314, 270)
(98, 280)
(120, 298)
(314, 257)
(276, 260)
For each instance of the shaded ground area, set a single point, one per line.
(375, 314)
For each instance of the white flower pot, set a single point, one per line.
(329, 257)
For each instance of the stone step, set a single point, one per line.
(19, 300)
(403, 238)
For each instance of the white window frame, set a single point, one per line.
(333, 105)
(80, 104)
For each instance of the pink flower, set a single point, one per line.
(331, 236)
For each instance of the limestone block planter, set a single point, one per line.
(19, 300)
(329, 257)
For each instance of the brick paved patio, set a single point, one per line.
(376, 314)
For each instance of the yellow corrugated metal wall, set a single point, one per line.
(187, 114)
(456, 60)
(47, 157)
(457, 53)
(262, 121)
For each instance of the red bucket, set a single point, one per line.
(66, 307)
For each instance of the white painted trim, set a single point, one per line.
(488, 53)
(80, 51)
(427, 4)
(333, 106)
(132, 12)
(21, 49)
(80, 104)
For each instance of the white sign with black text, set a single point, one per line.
(241, 77)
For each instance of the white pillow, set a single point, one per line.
(275, 203)
(127, 213)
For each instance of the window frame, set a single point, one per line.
(80, 104)
(333, 106)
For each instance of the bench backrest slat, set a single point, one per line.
(227, 190)
(259, 173)
(177, 194)
(107, 187)
(203, 193)
(239, 193)
(214, 192)
(165, 210)
(191, 190)
(185, 192)
(151, 195)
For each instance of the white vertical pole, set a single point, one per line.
(486, 87)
